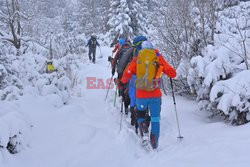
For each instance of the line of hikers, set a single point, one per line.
(139, 68)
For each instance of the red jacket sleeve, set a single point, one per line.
(117, 49)
(114, 59)
(117, 46)
(129, 72)
(167, 69)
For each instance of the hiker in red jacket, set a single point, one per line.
(148, 67)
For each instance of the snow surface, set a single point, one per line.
(85, 132)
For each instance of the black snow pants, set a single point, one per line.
(92, 51)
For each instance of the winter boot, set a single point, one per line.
(147, 119)
(133, 116)
(126, 111)
(153, 141)
(143, 129)
(136, 127)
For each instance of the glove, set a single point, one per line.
(116, 81)
(113, 71)
(122, 89)
(110, 59)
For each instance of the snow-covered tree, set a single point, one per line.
(119, 19)
(11, 14)
(127, 18)
(90, 16)
(139, 17)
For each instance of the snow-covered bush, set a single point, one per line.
(30, 34)
(219, 75)
(15, 129)
(232, 97)
(48, 84)
(63, 45)
(10, 84)
(29, 69)
(26, 74)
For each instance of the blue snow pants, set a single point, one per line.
(154, 106)
(132, 90)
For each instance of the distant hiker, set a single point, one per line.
(123, 63)
(50, 67)
(123, 89)
(92, 43)
(148, 66)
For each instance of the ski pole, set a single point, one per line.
(177, 120)
(109, 87)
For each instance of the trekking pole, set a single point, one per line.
(100, 52)
(122, 106)
(121, 117)
(109, 87)
(177, 120)
(115, 94)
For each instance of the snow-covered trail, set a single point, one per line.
(85, 133)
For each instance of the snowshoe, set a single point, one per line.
(145, 143)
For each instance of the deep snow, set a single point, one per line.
(85, 133)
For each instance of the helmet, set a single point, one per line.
(121, 41)
(147, 45)
(138, 40)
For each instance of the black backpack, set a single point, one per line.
(93, 42)
(122, 51)
(125, 59)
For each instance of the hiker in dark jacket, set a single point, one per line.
(123, 90)
(92, 43)
(123, 63)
